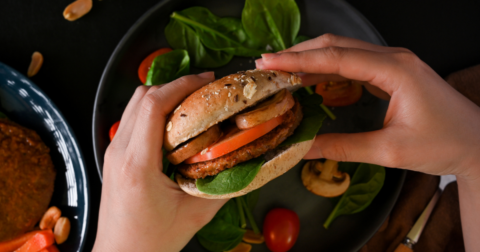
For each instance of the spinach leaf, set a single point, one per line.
(231, 180)
(168, 67)
(364, 187)
(313, 117)
(222, 233)
(220, 34)
(271, 22)
(180, 36)
(2, 115)
(300, 39)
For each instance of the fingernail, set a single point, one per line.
(259, 64)
(207, 75)
(270, 56)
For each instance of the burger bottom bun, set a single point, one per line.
(277, 166)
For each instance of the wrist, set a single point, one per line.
(470, 171)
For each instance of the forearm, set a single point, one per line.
(469, 195)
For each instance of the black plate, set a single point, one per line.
(347, 233)
(23, 102)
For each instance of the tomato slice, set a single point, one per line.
(147, 63)
(280, 229)
(233, 139)
(337, 94)
(113, 130)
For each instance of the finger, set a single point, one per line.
(128, 117)
(329, 40)
(314, 79)
(376, 91)
(145, 146)
(351, 63)
(124, 132)
(367, 147)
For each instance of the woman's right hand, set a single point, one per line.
(428, 127)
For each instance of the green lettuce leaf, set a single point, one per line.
(313, 117)
(271, 22)
(231, 180)
(222, 233)
(366, 183)
(168, 67)
(181, 36)
(220, 34)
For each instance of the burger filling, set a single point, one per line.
(266, 136)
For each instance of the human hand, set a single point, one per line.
(428, 127)
(141, 208)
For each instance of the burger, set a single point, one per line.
(237, 133)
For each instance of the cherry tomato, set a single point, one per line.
(280, 229)
(342, 93)
(235, 138)
(147, 63)
(113, 130)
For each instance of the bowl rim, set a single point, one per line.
(27, 83)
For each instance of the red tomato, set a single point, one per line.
(342, 93)
(234, 139)
(147, 63)
(280, 229)
(113, 130)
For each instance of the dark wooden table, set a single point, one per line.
(444, 33)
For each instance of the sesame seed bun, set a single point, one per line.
(222, 99)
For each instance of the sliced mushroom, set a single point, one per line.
(280, 103)
(195, 146)
(324, 179)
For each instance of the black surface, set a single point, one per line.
(24, 103)
(444, 33)
(318, 17)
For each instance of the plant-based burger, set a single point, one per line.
(237, 133)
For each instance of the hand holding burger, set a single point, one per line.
(231, 121)
(141, 208)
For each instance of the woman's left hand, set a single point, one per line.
(141, 208)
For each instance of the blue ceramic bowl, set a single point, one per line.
(23, 102)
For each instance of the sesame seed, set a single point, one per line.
(204, 151)
(229, 94)
(169, 126)
(177, 109)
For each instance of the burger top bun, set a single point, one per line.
(277, 166)
(222, 99)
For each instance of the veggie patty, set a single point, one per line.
(252, 150)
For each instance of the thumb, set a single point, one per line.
(366, 147)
